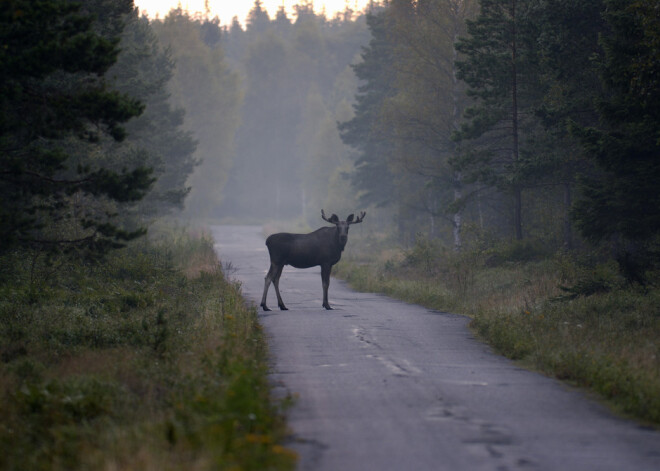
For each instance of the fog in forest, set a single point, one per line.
(458, 120)
(263, 102)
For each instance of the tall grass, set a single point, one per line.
(603, 335)
(150, 360)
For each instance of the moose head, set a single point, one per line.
(342, 226)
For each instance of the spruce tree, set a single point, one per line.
(366, 131)
(623, 201)
(144, 70)
(56, 111)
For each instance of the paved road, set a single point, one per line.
(385, 385)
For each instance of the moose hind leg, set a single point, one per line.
(325, 280)
(276, 283)
(269, 277)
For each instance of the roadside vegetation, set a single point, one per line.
(570, 316)
(148, 360)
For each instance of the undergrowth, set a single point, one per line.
(571, 317)
(149, 360)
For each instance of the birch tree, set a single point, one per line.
(430, 101)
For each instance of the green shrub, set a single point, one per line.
(519, 251)
(48, 423)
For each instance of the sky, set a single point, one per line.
(225, 10)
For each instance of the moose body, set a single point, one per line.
(323, 248)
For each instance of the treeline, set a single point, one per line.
(514, 120)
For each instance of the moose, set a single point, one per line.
(322, 247)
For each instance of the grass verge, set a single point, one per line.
(607, 342)
(150, 360)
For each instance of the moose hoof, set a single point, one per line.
(283, 307)
(327, 307)
(265, 308)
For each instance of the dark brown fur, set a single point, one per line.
(322, 247)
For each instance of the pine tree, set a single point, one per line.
(285, 67)
(498, 65)
(568, 40)
(258, 20)
(56, 111)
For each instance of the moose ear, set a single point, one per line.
(334, 219)
(349, 218)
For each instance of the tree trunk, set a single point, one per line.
(568, 228)
(457, 221)
(481, 214)
(456, 118)
(517, 212)
(517, 192)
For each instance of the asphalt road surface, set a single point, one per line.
(383, 385)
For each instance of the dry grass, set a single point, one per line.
(151, 361)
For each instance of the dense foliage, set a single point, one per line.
(144, 70)
(55, 109)
(622, 201)
(204, 85)
(85, 126)
(555, 99)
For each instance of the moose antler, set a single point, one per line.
(333, 219)
(359, 219)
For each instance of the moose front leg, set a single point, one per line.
(269, 277)
(325, 279)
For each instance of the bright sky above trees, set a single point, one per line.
(227, 9)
